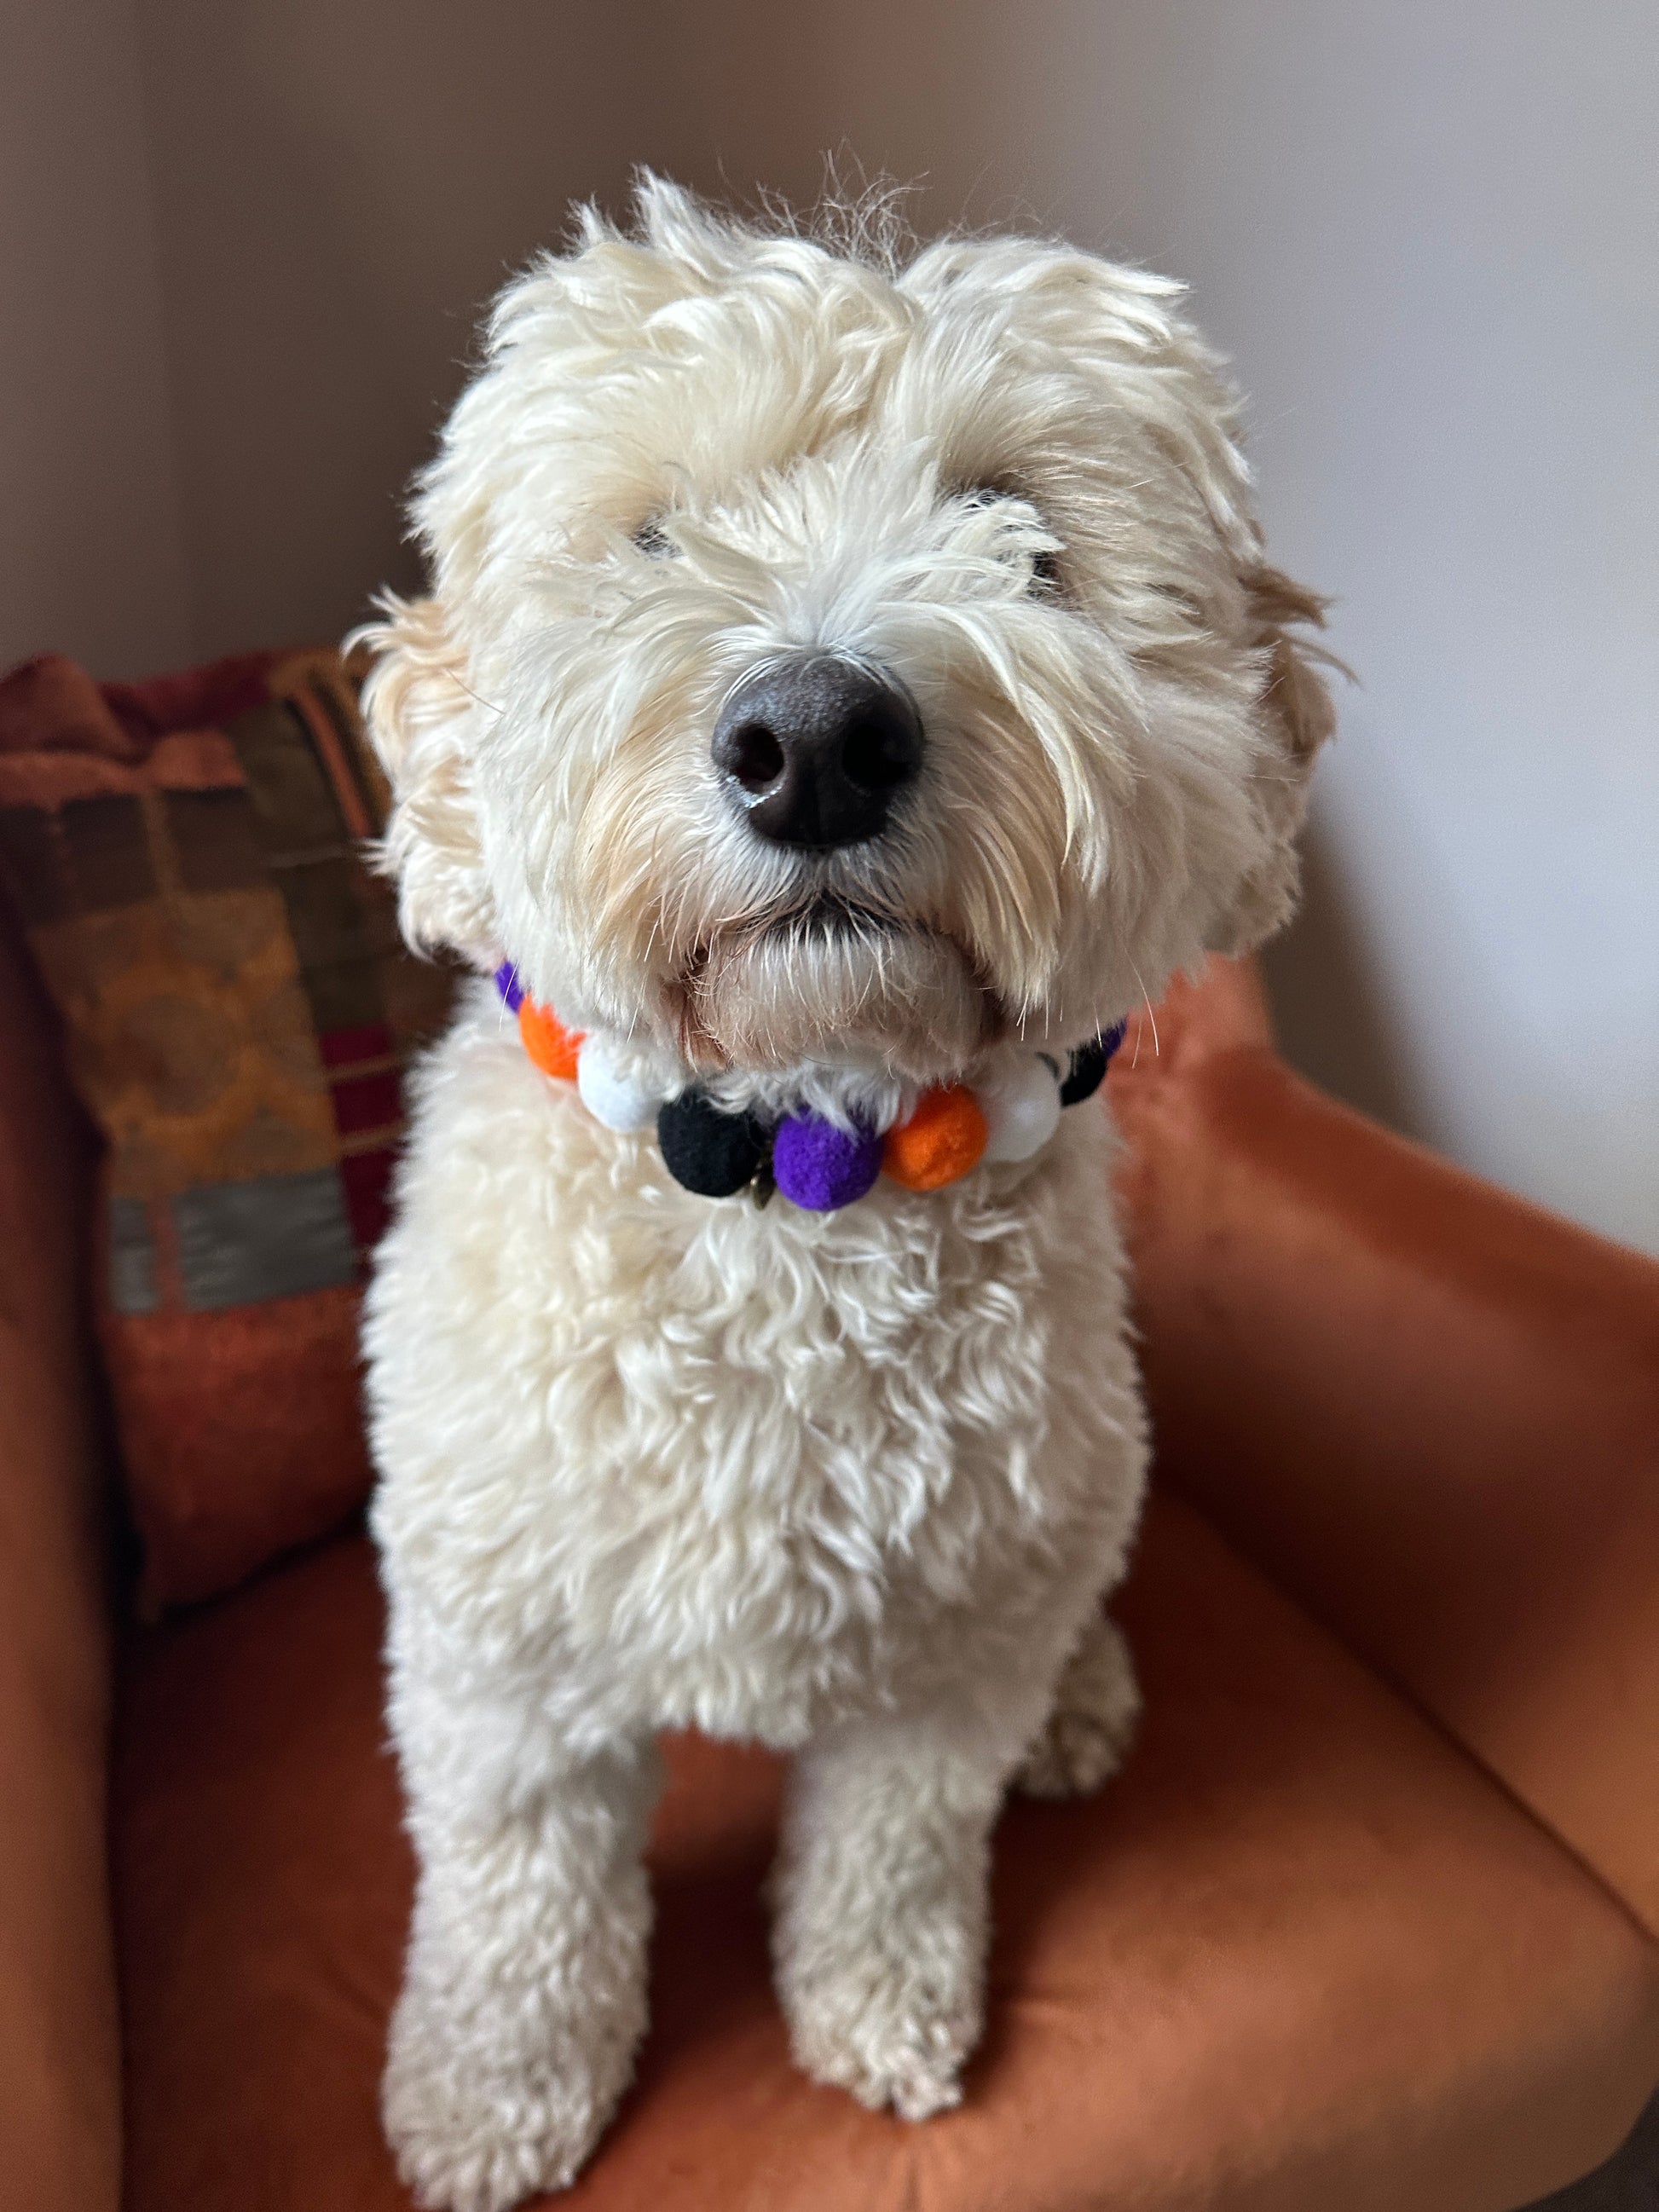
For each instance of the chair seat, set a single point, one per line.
(1300, 1956)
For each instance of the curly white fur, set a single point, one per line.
(852, 1485)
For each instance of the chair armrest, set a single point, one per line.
(1429, 1410)
(59, 2054)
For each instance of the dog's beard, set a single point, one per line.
(840, 985)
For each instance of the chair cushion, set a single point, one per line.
(185, 857)
(1299, 1954)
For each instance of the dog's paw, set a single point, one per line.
(472, 2133)
(1086, 1736)
(912, 2069)
(895, 2033)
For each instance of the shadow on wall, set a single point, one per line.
(1330, 1011)
(338, 195)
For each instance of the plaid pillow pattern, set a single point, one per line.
(186, 858)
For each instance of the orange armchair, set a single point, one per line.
(1367, 1922)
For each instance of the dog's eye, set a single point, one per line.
(1045, 574)
(987, 495)
(651, 542)
(1047, 580)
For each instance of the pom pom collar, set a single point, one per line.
(815, 1164)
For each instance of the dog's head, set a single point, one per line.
(834, 658)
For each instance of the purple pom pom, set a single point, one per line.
(821, 1167)
(507, 983)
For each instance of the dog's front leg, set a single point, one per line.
(524, 1994)
(882, 1907)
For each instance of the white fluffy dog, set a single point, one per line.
(847, 672)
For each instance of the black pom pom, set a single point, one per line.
(711, 1153)
(1088, 1068)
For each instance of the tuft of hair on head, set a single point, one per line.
(865, 218)
(859, 218)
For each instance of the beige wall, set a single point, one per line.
(339, 185)
(92, 560)
(1426, 231)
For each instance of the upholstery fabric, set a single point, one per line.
(59, 2065)
(185, 857)
(1429, 1412)
(1301, 1954)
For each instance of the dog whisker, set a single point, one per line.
(1152, 1016)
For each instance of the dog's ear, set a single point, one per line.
(421, 718)
(1295, 716)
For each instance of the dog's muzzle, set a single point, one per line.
(816, 749)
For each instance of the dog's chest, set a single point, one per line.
(736, 1448)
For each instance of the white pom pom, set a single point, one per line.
(610, 1079)
(1021, 1104)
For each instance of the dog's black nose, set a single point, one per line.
(815, 749)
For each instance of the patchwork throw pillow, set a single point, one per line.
(186, 858)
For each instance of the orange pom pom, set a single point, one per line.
(550, 1044)
(942, 1140)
